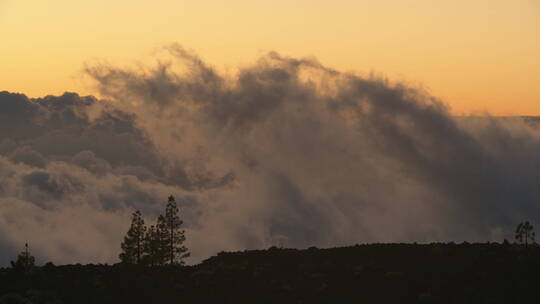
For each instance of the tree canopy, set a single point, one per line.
(158, 244)
(132, 246)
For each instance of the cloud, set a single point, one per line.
(28, 156)
(286, 151)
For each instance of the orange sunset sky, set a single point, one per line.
(476, 55)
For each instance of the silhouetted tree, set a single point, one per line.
(154, 246)
(173, 236)
(132, 246)
(25, 261)
(525, 233)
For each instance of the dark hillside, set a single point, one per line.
(385, 273)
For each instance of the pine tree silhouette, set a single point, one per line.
(132, 246)
(173, 236)
(154, 253)
(525, 233)
(25, 261)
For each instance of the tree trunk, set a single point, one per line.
(171, 244)
(138, 249)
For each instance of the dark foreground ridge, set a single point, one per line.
(378, 273)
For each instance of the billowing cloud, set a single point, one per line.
(285, 151)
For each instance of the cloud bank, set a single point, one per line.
(286, 151)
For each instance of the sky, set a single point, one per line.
(306, 124)
(475, 55)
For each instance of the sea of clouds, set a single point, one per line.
(284, 152)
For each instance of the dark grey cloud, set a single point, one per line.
(44, 182)
(89, 161)
(286, 151)
(88, 132)
(28, 156)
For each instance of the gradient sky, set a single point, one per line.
(475, 55)
(259, 148)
